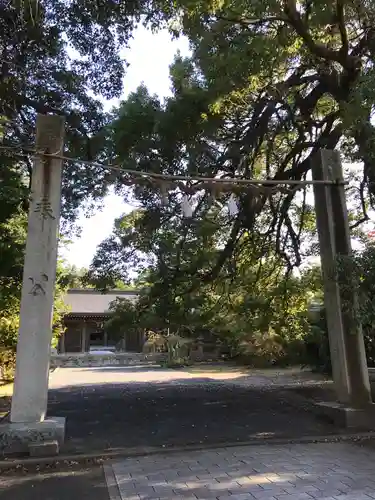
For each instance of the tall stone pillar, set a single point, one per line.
(29, 402)
(350, 373)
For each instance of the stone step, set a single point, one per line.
(114, 359)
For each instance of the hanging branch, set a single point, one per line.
(365, 217)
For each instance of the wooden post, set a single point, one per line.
(349, 367)
(29, 402)
(123, 342)
(62, 343)
(84, 338)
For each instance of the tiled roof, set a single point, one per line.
(88, 301)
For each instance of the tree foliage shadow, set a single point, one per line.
(177, 413)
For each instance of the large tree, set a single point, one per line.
(269, 83)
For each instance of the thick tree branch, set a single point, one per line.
(316, 48)
(365, 217)
(247, 22)
(365, 136)
(340, 9)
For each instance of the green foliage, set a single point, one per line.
(155, 342)
(266, 319)
(9, 317)
(259, 313)
(178, 349)
(72, 277)
(356, 276)
(124, 318)
(13, 235)
(316, 345)
(58, 55)
(7, 364)
(267, 85)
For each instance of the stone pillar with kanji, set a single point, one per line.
(29, 402)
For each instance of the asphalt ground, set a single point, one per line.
(109, 408)
(61, 482)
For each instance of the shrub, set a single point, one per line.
(369, 339)
(7, 364)
(261, 350)
(178, 349)
(316, 344)
(155, 342)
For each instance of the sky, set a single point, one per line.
(149, 56)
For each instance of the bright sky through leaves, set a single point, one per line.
(149, 56)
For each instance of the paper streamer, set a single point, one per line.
(233, 206)
(187, 210)
(164, 194)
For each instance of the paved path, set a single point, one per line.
(137, 407)
(330, 471)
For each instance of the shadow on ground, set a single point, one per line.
(63, 484)
(178, 412)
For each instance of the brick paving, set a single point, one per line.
(329, 471)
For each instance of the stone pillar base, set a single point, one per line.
(17, 438)
(348, 417)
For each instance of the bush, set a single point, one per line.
(316, 345)
(7, 364)
(155, 343)
(369, 339)
(178, 349)
(261, 350)
(356, 274)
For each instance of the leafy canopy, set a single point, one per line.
(268, 84)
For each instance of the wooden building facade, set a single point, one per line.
(84, 323)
